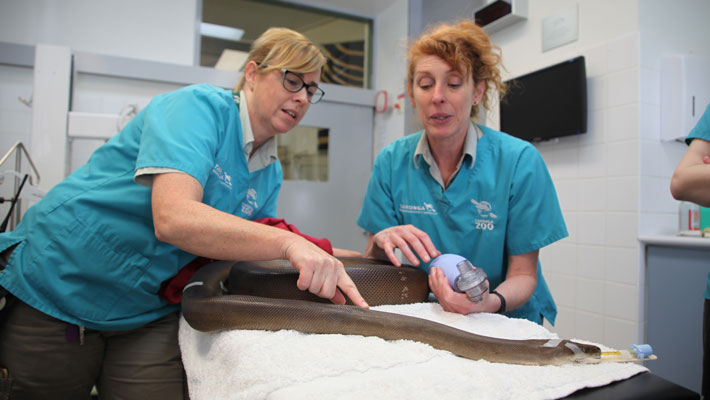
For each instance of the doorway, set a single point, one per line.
(328, 208)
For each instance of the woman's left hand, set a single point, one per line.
(452, 301)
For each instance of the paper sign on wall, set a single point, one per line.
(560, 28)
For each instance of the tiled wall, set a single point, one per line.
(595, 273)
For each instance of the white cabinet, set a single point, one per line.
(685, 93)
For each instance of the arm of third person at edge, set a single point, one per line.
(691, 179)
(181, 219)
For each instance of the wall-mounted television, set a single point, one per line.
(547, 103)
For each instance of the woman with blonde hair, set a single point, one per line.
(461, 187)
(184, 178)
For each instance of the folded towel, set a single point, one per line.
(243, 364)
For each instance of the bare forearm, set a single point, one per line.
(517, 290)
(205, 231)
(691, 178)
(692, 183)
(181, 219)
(520, 280)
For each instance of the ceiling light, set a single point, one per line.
(221, 31)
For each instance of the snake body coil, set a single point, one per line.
(264, 296)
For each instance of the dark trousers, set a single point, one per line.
(46, 358)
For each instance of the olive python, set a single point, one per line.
(263, 296)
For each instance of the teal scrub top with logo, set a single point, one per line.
(505, 204)
(87, 252)
(702, 131)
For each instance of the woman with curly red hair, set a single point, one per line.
(462, 187)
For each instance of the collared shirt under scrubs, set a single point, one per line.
(87, 252)
(502, 201)
(702, 131)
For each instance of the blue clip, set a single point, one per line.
(641, 351)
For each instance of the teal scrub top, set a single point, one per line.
(702, 131)
(87, 252)
(505, 203)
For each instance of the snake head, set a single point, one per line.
(583, 353)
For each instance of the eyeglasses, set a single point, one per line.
(293, 83)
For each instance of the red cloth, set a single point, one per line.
(171, 289)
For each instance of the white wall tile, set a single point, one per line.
(622, 158)
(623, 123)
(565, 322)
(546, 152)
(622, 265)
(568, 194)
(571, 221)
(595, 60)
(564, 142)
(623, 87)
(589, 295)
(559, 257)
(656, 195)
(621, 229)
(597, 128)
(650, 123)
(591, 262)
(658, 223)
(622, 194)
(589, 326)
(620, 334)
(650, 85)
(597, 92)
(593, 161)
(592, 194)
(620, 301)
(623, 52)
(591, 228)
(563, 163)
(660, 158)
(562, 287)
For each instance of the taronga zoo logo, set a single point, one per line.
(485, 211)
(249, 204)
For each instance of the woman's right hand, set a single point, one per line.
(410, 240)
(322, 274)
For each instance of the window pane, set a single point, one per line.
(303, 153)
(344, 39)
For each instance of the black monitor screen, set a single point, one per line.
(547, 103)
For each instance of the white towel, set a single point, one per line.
(243, 364)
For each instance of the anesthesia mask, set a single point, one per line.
(463, 276)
